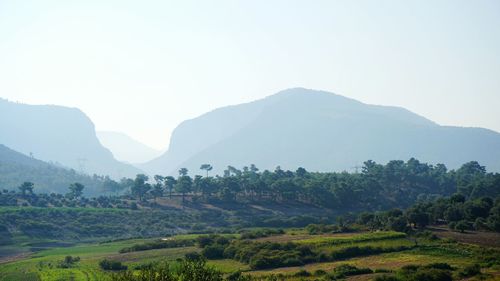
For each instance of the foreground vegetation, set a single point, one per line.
(264, 254)
(400, 221)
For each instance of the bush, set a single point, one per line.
(382, 270)
(302, 273)
(187, 270)
(462, 226)
(431, 274)
(439, 265)
(193, 256)
(355, 251)
(428, 273)
(319, 272)
(345, 270)
(469, 271)
(106, 264)
(213, 252)
(68, 262)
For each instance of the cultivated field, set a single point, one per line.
(396, 251)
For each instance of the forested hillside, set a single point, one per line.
(16, 168)
(249, 197)
(374, 187)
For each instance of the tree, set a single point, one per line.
(462, 226)
(158, 187)
(183, 172)
(111, 186)
(157, 191)
(184, 183)
(301, 172)
(140, 186)
(169, 184)
(417, 216)
(26, 187)
(206, 167)
(75, 190)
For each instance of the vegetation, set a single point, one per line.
(236, 232)
(111, 265)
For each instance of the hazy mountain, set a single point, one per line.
(16, 168)
(58, 134)
(320, 131)
(125, 148)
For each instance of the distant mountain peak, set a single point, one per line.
(125, 148)
(320, 131)
(59, 134)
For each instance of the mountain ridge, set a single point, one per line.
(314, 112)
(58, 134)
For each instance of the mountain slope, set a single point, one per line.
(58, 134)
(320, 131)
(125, 148)
(16, 168)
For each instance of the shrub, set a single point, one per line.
(302, 273)
(192, 256)
(319, 272)
(382, 270)
(111, 265)
(345, 270)
(439, 265)
(431, 274)
(188, 270)
(469, 271)
(462, 226)
(68, 262)
(214, 251)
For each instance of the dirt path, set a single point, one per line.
(16, 257)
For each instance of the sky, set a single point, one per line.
(142, 67)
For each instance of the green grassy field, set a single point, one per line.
(43, 265)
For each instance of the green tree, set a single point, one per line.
(157, 190)
(170, 184)
(184, 183)
(26, 187)
(206, 167)
(75, 190)
(418, 217)
(140, 186)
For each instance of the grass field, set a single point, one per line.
(43, 265)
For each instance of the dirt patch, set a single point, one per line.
(487, 239)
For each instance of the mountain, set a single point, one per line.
(58, 134)
(16, 168)
(320, 131)
(125, 148)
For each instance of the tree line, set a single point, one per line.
(376, 187)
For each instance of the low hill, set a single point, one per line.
(16, 168)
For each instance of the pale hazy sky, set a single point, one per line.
(141, 67)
